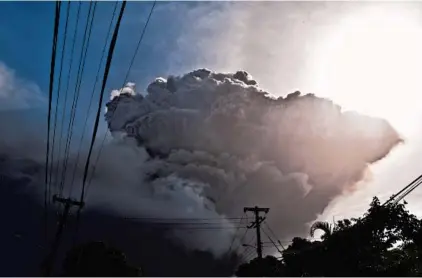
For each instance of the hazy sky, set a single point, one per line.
(365, 56)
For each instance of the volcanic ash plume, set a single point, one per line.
(213, 143)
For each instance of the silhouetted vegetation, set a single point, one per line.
(95, 259)
(386, 241)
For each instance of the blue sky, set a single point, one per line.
(26, 30)
(281, 44)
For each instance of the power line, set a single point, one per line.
(66, 94)
(182, 218)
(274, 235)
(78, 93)
(82, 60)
(235, 234)
(408, 191)
(58, 89)
(106, 72)
(93, 91)
(94, 133)
(124, 82)
(408, 188)
(251, 251)
(241, 240)
(272, 241)
(139, 42)
(192, 228)
(50, 96)
(248, 254)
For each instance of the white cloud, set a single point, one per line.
(16, 92)
(277, 43)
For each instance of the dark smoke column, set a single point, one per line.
(221, 138)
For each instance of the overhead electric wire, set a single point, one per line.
(101, 94)
(93, 91)
(58, 90)
(124, 82)
(417, 181)
(50, 96)
(78, 89)
(235, 235)
(272, 241)
(66, 94)
(228, 225)
(407, 192)
(241, 239)
(274, 235)
(193, 228)
(139, 42)
(106, 72)
(81, 67)
(180, 222)
(72, 114)
(152, 219)
(248, 254)
(247, 247)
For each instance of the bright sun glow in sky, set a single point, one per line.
(372, 62)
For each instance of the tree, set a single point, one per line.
(323, 226)
(385, 241)
(267, 267)
(97, 259)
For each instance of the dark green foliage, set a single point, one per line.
(268, 266)
(386, 241)
(95, 259)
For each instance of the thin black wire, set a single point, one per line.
(66, 92)
(250, 256)
(392, 198)
(58, 89)
(125, 80)
(192, 228)
(78, 94)
(235, 234)
(248, 247)
(248, 253)
(139, 42)
(82, 60)
(181, 218)
(197, 224)
(274, 235)
(408, 191)
(92, 93)
(241, 240)
(50, 96)
(272, 241)
(105, 76)
(106, 72)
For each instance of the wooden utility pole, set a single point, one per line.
(257, 225)
(68, 203)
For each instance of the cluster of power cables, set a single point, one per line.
(396, 198)
(71, 52)
(250, 250)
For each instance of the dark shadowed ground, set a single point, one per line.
(21, 236)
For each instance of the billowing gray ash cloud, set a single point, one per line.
(207, 144)
(201, 145)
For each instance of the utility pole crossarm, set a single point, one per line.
(68, 204)
(257, 225)
(68, 201)
(256, 209)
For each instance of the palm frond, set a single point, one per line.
(320, 225)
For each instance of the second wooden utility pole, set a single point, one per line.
(257, 225)
(68, 203)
